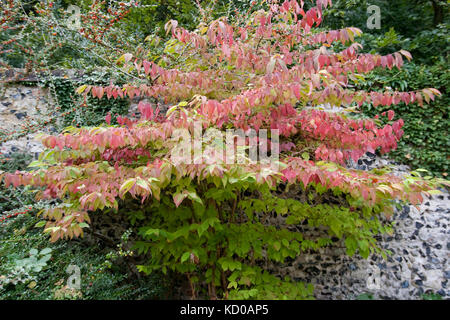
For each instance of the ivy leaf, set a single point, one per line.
(364, 248)
(351, 245)
(277, 245)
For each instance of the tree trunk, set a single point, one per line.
(438, 12)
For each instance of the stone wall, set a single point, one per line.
(419, 263)
(18, 102)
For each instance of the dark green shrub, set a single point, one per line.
(425, 143)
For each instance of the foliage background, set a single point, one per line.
(421, 27)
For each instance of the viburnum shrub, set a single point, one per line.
(40, 36)
(219, 222)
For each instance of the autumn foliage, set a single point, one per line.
(212, 221)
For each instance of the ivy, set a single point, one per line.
(425, 143)
(92, 111)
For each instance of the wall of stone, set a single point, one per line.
(17, 103)
(420, 244)
(419, 263)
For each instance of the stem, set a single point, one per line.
(233, 210)
(224, 283)
(438, 13)
(193, 297)
(213, 286)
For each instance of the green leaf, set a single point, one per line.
(40, 224)
(351, 245)
(126, 186)
(202, 228)
(232, 284)
(45, 258)
(277, 245)
(45, 251)
(36, 164)
(364, 248)
(171, 110)
(150, 232)
(193, 196)
(185, 256)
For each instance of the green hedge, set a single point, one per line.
(425, 143)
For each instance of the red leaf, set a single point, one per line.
(108, 118)
(391, 114)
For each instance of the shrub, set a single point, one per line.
(218, 222)
(10, 198)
